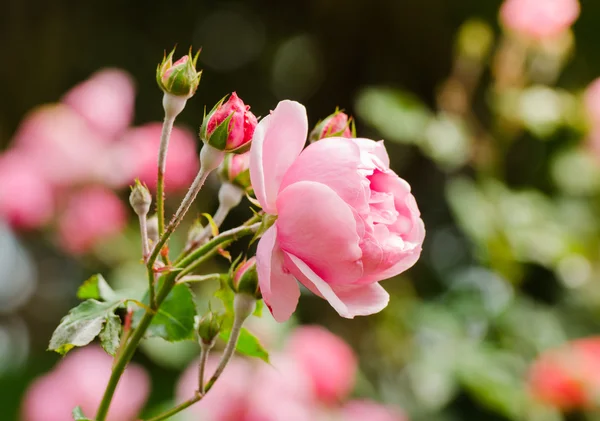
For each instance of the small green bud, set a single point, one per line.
(140, 198)
(180, 78)
(244, 279)
(209, 328)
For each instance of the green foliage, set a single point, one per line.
(96, 288)
(174, 320)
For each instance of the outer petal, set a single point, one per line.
(278, 287)
(347, 300)
(317, 226)
(334, 162)
(375, 148)
(277, 142)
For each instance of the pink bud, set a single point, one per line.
(180, 78)
(327, 359)
(539, 19)
(335, 125)
(91, 216)
(244, 278)
(229, 126)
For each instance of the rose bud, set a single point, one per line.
(244, 279)
(140, 198)
(229, 126)
(180, 78)
(235, 170)
(209, 328)
(336, 125)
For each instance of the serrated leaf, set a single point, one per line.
(96, 288)
(110, 334)
(247, 344)
(174, 320)
(226, 295)
(81, 325)
(78, 415)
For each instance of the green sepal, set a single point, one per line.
(218, 138)
(207, 117)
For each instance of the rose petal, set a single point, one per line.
(277, 142)
(279, 288)
(317, 226)
(348, 300)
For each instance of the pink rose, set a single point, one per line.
(105, 101)
(329, 362)
(91, 216)
(136, 156)
(345, 221)
(26, 199)
(361, 410)
(80, 379)
(239, 131)
(539, 19)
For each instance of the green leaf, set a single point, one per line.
(247, 344)
(174, 320)
(78, 415)
(96, 288)
(226, 295)
(81, 325)
(111, 334)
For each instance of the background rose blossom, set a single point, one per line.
(79, 380)
(539, 19)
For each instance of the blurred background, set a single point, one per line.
(495, 126)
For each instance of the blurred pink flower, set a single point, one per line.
(80, 379)
(284, 392)
(345, 220)
(361, 410)
(91, 215)
(226, 400)
(539, 19)
(568, 377)
(329, 362)
(26, 199)
(136, 155)
(61, 145)
(105, 101)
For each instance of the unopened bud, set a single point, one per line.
(140, 198)
(229, 126)
(235, 170)
(244, 279)
(180, 78)
(209, 328)
(335, 125)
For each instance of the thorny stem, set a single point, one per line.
(130, 346)
(204, 351)
(162, 164)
